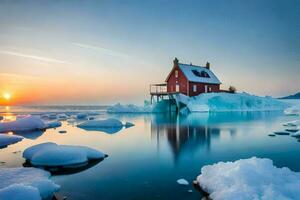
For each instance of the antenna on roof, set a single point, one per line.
(207, 65)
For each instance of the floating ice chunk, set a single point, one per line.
(26, 183)
(220, 102)
(182, 182)
(293, 110)
(62, 116)
(53, 155)
(110, 125)
(111, 122)
(292, 123)
(6, 139)
(81, 116)
(296, 134)
(28, 123)
(249, 179)
(54, 124)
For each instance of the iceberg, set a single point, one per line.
(248, 179)
(26, 183)
(6, 139)
(52, 155)
(221, 102)
(28, 123)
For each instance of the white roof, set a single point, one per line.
(188, 71)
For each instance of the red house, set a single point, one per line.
(191, 80)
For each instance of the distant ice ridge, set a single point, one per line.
(249, 179)
(129, 108)
(25, 123)
(26, 183)
(220, 102)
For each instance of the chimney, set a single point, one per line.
(175, 61)
(207, 66)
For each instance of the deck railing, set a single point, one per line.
(156, 89)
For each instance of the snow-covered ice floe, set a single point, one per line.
(26, 183)
(220, 102)
(248, 179)
(53, 155)
(110, 125)
(27, 123)
(6, 139)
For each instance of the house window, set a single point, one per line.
(205, 88)
(176, 73)
(209, 89)
(177, 87)
(194, 88)
(202, 74)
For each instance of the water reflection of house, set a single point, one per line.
(182, 137)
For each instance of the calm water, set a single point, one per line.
(146, 160)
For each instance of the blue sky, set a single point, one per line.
(110, 51)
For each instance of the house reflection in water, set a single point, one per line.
(187, 135)
(182, 134)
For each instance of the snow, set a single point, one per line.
(50, 154)
(28, 123)
(248, 179)
(188, 72)
(20, 192)
(220, 102)
(129, 108)
(182, 182)
(26, 183)
(54, 124)
(6, 139)
(293, 110)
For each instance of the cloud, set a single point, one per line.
(40, 58)
(101, 50)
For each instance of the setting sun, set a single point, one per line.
(7, 96)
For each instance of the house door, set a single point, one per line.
(205, 88)
(177, 87)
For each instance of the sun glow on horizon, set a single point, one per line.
(7, 96)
